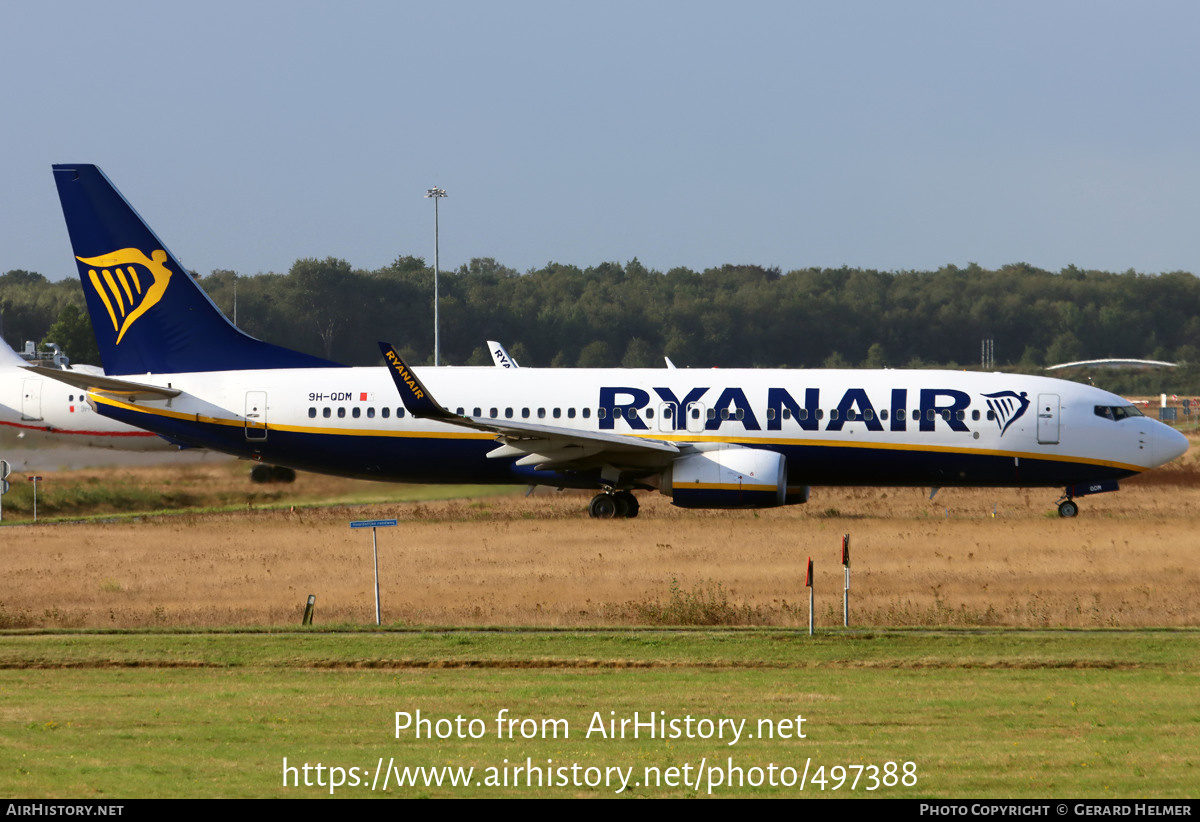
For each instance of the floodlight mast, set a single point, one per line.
(435, 194)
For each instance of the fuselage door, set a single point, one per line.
(1047, 419)
(666, 417)
(31, 399)
(256, 415)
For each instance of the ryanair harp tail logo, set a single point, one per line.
(125, 293)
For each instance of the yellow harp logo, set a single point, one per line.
(126, 294)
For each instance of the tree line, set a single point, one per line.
(615, 314)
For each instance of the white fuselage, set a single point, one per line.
(835, 427)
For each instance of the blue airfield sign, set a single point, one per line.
(373, 523)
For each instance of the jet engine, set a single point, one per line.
(729, 477)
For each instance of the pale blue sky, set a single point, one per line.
(884, 135)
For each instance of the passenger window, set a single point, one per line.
(399, 413)
(385, 412)
(557, 413)
(312, 413)
(525, 413)
(356, 412)
(771, 413)
(371, 413)
(341, 412)
(508, 413)
(459, 411)
(570, 413)
(325, 412)
(477, 412)
(600, 412)
(587, 412)
(494, 412)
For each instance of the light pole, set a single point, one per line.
(436, 194)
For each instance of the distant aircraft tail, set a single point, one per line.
(148, 313)
(8, 357)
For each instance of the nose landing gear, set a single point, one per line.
(1067, 507)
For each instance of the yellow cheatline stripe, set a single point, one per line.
(295, 429)
(724, 486)
(749, 443)
(893, 446)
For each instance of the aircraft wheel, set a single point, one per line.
(627, 504)
(280, 473)
(1067, 508)
(602, 506)
(260, 473)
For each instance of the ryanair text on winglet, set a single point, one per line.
(405, 377)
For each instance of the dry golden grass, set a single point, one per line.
(1129, 559)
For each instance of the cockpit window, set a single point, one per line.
(1118, 412)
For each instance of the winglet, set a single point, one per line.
(416, 397)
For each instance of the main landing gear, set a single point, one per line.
(613, 505)
(272, 473)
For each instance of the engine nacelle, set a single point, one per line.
(730, 477)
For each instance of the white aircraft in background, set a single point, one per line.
(502, 359)
(36, 410)
(720, 438)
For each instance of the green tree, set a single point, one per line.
(72, 332)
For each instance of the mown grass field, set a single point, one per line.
(1101, 713)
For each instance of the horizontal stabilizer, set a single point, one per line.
(106, 385)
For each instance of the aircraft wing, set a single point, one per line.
(544, 446)
(101, 384)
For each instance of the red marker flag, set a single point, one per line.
(846, 550)
(808, 581)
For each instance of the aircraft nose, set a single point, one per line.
(1168, 444)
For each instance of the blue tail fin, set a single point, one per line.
(148, 313)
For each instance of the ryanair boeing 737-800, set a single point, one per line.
(722, 438)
